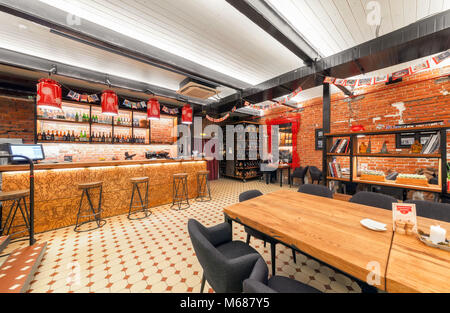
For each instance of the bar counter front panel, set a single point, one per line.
(56, 186)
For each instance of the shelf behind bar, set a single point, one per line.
(63, 121)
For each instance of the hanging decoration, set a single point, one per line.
(217, 120)
(366, 81)
(169, 111)
(49, 94)
(153, 109)
(110, 103)
(82, 97)
(419, 67)
(441, 57)
(134, 105)
(186, 114)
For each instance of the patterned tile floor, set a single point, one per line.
(155, 254)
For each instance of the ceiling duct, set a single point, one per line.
(195, 89)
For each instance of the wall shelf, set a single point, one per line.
(440, 156)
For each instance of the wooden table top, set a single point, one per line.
(326, 229)
(416, 267)
(66, 165)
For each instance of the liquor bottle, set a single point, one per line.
(52, 136)
(73, 137)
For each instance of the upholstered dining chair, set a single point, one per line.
(316, 174)
(226, 263)
(316, 190)
(250, 194)
(374, 199)
(434, 210)
(299, 172)
(258, 282)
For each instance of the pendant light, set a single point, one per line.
(110, 103)
(186, 114)
(153, 109)
(49, 94)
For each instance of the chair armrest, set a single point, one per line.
(254, 286)
(241, 267)
(220, 234)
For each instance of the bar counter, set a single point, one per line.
(56, 185)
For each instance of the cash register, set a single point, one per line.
(34, 152)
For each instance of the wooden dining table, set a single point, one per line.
(326, 229)
(416, 267)
(329, 230)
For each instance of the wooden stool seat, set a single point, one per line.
(90, 185)
(139, 179)
(180, 175)
(203, 172)
(13, 195)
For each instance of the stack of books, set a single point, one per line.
(335, 169)
(340, 146)
(431, 145)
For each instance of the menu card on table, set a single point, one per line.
(405, 212)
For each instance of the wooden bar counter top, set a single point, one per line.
(56, 185)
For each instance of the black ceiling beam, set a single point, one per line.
(420, 39)
(263, 15)
(28, 62)
(345, 90)
(104, 38)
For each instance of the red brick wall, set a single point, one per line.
(17, 118)
(424, 99)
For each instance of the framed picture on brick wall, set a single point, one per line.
(320, 139)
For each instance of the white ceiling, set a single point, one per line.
(26, 37)
(332, 26)
(210, 33)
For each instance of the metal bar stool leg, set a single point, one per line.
(142, 203)
(180, 199)
(95, 216)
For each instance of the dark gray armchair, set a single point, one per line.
(316, 174)
(374, 199)
(258, 282)
(434, 210)
(316, 190)
(226, 263)
(250, 194)
(299, 172)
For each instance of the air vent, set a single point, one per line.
(194, 89)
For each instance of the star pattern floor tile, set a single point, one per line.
(155, 254)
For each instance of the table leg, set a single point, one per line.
(289, 177)
(280, 174)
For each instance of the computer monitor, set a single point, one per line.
(34, 152)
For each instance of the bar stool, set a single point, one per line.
(203, 189)
(142, 204)
(17, 197)
(96, 212)
(180, 192)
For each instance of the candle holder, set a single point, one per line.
(425, 238)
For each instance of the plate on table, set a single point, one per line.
(373, 225)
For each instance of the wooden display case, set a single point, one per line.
(352, 158)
